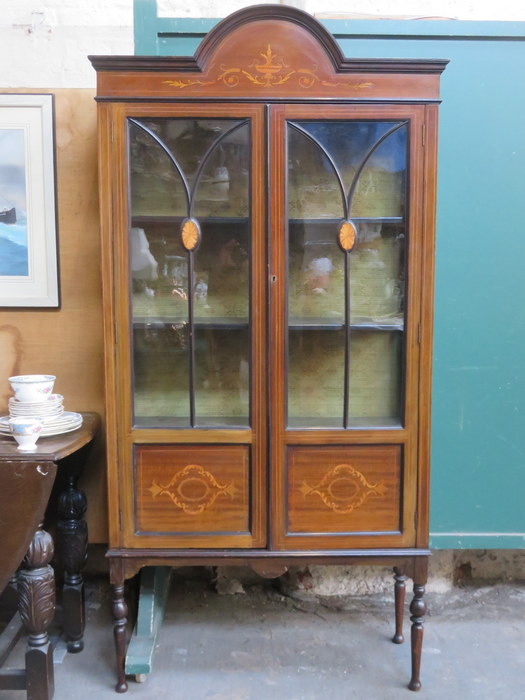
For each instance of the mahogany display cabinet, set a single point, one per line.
(268, 242)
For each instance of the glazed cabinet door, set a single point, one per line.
(345, 307)
(189, 275)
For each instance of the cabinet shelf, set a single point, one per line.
(172, 422)
(163, 219)
(320, 324)
(199, 323)
(296, 324)
(369, 423)
(355, 219)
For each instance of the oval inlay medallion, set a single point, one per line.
(343, 489)
(347, 235)
(193, 489)
(191, 234)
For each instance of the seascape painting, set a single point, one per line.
(28, 226)
(14, 259)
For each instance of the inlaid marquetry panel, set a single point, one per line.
(192, 489)
(348, 489)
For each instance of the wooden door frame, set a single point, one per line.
(418, 329)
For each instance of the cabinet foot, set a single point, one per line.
(399, 593)
(418, 609)
(120, 611)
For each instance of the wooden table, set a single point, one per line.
(26, 487)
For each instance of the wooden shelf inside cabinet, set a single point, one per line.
(268, 236)
(354, 424)
(146, 219)
(356, 219)
(320, 324)
(199, 323)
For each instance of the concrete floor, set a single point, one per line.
(266, 646)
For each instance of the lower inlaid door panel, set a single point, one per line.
(193, 490)
(344, 490)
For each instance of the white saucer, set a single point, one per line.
(44, 415)
(67, 423)
(52, 400)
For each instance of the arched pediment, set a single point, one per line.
(273, 23)
(268, 52)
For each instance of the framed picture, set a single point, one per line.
(28, 232)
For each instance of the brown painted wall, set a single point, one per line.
(68, 341)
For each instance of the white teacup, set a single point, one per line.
(32, 388)
(26, 432)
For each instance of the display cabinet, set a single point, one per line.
(268, 235)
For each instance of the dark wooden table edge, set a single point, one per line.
(55, 448)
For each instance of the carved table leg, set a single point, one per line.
(120, 611)
(418, 609)
(399, 593)
(36, 604)
(71, 544)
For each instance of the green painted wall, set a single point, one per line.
(478, 426)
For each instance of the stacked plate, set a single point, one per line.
(52, 407)
(51, 412)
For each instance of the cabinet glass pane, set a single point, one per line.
(375, 371)
(316, 360)
(346, 194)
(316, 291)
(161, 374)
(317, 378)
(190, 248)
(222, 376)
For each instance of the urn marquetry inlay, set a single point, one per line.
(269, 70)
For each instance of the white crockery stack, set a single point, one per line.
(34, 398)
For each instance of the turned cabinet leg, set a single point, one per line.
(120, 612)
(36, 605)
(71, 544)
(399, 594)
(418, 609)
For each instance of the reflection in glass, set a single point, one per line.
(377, 279)
(315, 378)
(190, 175)
(367, 160)
(316, 288)
(161, 373)
(375, 377)
(173, 160)
(224, 182)
(316, 274)
(346, 171)
(222, 376)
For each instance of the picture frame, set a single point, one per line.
(28, 223)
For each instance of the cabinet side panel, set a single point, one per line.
(105, 172)
(427, 318)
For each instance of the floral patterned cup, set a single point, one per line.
(26, 432)
(32, 388)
